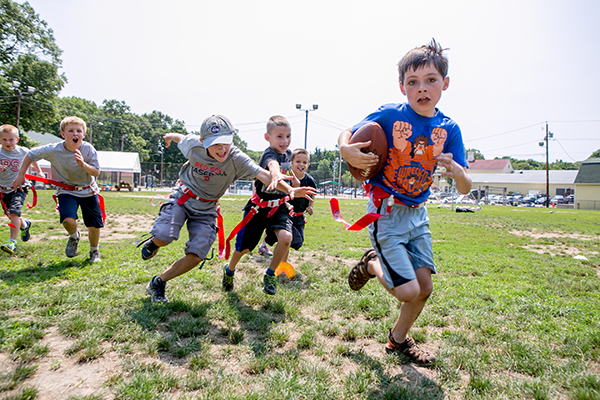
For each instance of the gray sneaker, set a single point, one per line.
(156, 289)
(270, 282)
(95, 256)
(71, 249)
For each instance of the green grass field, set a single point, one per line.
(513, 315)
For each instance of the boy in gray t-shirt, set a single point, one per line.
(11, 156)
(74, 168)
(213, 164)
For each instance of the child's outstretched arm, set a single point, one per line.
(455, 171)
(304, 191)
(352, 153)
(276, 175)
(20, 179)
(175, 137)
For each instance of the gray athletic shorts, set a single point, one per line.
(202, 228)
(402, 241)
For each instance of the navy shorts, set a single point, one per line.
(90, 209)
(13, 201)
(297, 232)
(249, 237)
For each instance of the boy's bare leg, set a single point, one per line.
(70, 225)
(235, 258)
(16, 221)
(413, 295)
(181, 266)
(94, 236)
(284, 240)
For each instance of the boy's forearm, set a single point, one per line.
(343, 141)
(90, 170)
(463, 182)
(37, 167)
(25, 166)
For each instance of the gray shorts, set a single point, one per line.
(402, 241)
(202, 228)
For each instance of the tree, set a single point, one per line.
(30, 57)
(477, 154)
(596, 154)
(23, 32)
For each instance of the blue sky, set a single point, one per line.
(513, 64)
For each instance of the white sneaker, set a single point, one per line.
(264, 251)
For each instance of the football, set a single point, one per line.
(379, 146)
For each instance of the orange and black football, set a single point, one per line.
(379, 146)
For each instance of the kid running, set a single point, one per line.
(11, 156)
(420, 138)
(213, 164)
(300, 163)
(275, 218)
(74, 166)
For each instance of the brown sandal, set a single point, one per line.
(360, 275)
(410, 349)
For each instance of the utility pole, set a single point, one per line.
(547, 169)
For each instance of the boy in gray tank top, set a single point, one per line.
(74, 168)
(11, 156)
(213, 163)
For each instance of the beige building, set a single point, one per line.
(587, 185)
(525, 182)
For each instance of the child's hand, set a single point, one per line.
(2, 168)
(446, 161)
(309, 210)
(304, 191)
(168, 140)
(356, 158)
(20, 181)
(79, 158)
(276, 178)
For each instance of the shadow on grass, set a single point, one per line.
(42, 272)
(410, 385)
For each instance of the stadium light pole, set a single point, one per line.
(314, 108)
(17, 86)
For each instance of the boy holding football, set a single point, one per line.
(419, 138)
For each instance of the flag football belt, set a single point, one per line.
(66, 186)
(224, 251)
(188, 194)
(294, 214)
(378, 195)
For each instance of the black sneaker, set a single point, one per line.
(156, 289)
(270, 283)
(149, 250)
(25, 235)
(227, 281)
(71, 249)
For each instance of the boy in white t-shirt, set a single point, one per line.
(11, 157)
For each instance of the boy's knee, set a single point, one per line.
(284, 237)
(193, 258)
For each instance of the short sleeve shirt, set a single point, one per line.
(414, 142)
(66, 170)
(208, 178)
(301, 203)
(285, 165)
(11, 161)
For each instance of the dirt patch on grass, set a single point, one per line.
(59, 376)
(549, 235)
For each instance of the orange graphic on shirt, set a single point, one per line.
(409, 165)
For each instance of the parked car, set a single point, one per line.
(528, 199)
(558, 199)
(541, 200)
(570, 199)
